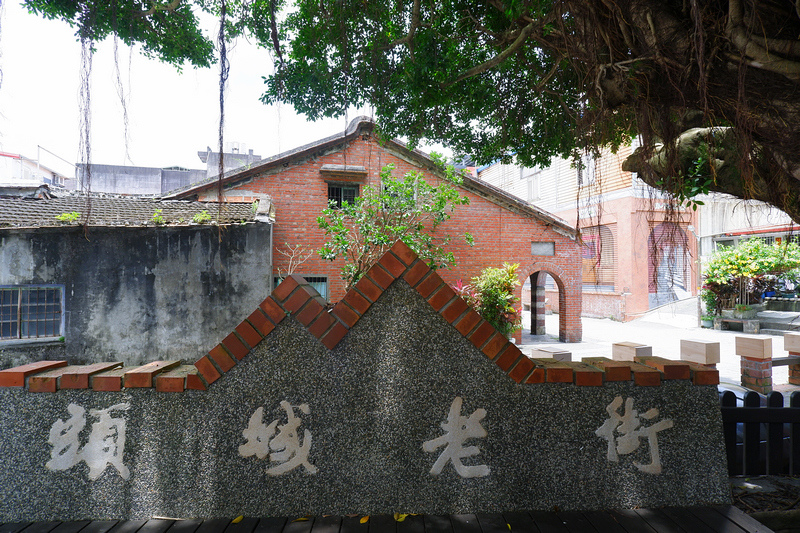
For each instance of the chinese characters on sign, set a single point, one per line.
(627, 426)
(457, 430)
(105, 445)
(280, 442)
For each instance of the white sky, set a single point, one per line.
(171, 115)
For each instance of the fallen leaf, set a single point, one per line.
(400, 516)
(509, 526)
(364, 519)
(237, 519)
(301, 519)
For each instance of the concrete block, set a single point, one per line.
(628, 351)
(754, 346)
(791, 342)
(697, 351)
(751, 326)
(551, 352)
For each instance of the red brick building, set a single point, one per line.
(506, 229)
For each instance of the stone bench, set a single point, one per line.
(752, 326)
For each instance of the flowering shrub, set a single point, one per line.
(745, 272)
(491, 294)
(467, 293)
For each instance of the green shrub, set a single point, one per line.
(68, 217)
(202, 217)
(491, 294)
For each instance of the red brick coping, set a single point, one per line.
(294, 296)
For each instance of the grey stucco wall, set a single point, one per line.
(175, 179)
(121, 179)
(372, 402)
(140, 294)
(118, 179)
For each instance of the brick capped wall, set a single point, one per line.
(295, 297)
(367, 383)
(503, 232)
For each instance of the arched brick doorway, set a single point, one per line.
(537, 304)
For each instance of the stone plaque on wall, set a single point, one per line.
(543, 248)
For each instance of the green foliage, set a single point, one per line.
(710, 305)
(750, 259)
(165, 31)
(746, 271)
(157, 217)
(202, 217)
(68, 217)
(492, 295)
(517, 80)
(697, 181)
(407, 208)
(348, 53)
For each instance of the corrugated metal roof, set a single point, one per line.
(113, 211)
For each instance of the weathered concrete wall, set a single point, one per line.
(175, 179)
(121, 179)
(140, 294)
(362, 412)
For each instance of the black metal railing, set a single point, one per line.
(762, 436)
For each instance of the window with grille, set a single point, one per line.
(31, 312)
(320, 284)
(598, 256)
(339, 193)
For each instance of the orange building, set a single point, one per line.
(638, 251)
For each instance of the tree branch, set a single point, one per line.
(761, 56)
(408, 39)
(172, 6)
(496, 60)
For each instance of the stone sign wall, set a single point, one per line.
(400, 412)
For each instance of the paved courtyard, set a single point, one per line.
(661, 328)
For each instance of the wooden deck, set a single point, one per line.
(720, 519)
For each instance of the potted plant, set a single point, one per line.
(707, 321)
(744, 311)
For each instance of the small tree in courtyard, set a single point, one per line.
(407, 208)
(741, 274)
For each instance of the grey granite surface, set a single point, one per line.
(372, 402)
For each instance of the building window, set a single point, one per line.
(31, 312)
(339, 193)
(598, 256)
(320, 284)
(586, 169)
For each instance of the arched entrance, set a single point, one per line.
(541, 282)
